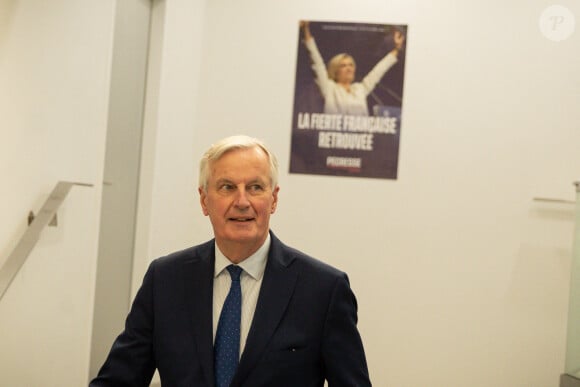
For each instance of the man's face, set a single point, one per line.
(239, 200)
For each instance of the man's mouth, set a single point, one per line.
(241, 219)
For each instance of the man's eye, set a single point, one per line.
(226, 187)
(256, 188)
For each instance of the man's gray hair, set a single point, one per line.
(217, 150)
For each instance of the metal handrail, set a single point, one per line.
(20, 253)
(553, 200)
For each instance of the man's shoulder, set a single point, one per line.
(201, 252)
(308, 263)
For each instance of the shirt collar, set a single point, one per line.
(254, 265)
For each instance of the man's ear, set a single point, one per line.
(275, 202)
(202, 200)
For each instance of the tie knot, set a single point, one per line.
(235, 272)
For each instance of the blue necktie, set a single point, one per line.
(227, 338)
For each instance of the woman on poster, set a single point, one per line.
(341, 94)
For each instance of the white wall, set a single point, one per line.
(462, 279)
(54, 83)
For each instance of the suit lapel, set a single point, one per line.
(198, 284)
(275, 293)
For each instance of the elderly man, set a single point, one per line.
(242, 309)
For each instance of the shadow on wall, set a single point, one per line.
(7, 8)
(542, 267)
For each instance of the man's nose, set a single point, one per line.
(242, 198)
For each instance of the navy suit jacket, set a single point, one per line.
(303, 331)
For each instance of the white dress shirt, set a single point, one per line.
(250, 282)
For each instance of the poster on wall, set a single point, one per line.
(348, 99)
